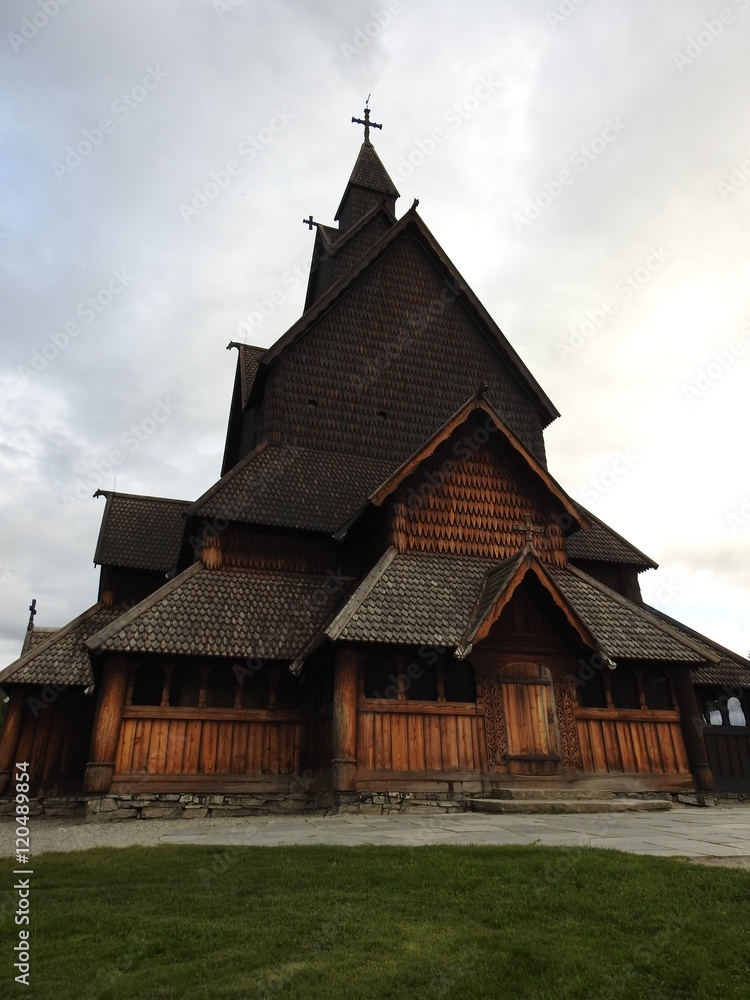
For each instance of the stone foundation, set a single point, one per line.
(123, 806)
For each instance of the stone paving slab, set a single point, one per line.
(700, 833)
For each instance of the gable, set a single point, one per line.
(388, 361)
(471, 497)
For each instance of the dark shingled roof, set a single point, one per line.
(370, 173)
(140, 532)
(603, 544)
(732, 670)
(232, 612)
(625, 630)
(61, 658)
(293, 488)
(413, 598)
(249, 362)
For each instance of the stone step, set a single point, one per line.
(568, 794)
(569, 806)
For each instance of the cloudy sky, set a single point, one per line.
(584, 163)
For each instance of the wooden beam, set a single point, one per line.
(106, 730)
(691, 718)
(344, 763)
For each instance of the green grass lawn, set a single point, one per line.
(322, 922)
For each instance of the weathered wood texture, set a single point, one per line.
(175, 742)
(104, 739)
(11, 734)
(52, 735)
(729, 755)
(692, 731)
(631, 741)
(417, 736)
(344, 724)
(467, 501)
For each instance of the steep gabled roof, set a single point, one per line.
(140, 532)
(497, 591)
(292, 488)
(603, 544)
(248, 362)
(370, 174)
(228, 612)
(412, 224)
(62, 657)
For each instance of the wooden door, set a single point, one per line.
(528, 700)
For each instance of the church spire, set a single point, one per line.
(369, 184)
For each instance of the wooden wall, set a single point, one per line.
(729, 755)
(180, 747)
(638, 741)
(55, 738)
(418, 736)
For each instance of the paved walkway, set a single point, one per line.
(718, 833)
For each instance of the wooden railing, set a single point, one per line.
(637, 741)
(418, 736)
(728, 750)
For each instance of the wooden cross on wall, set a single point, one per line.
(529, 529)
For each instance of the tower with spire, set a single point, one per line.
(386, 589)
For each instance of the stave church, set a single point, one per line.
(386, 601)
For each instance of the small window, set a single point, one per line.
(185, 687)
(381, 676)
(221, 687)
(624, 689)
(736, 713)
(458, 681)
(656, 688)
(288, 691)
(592, 693)
(420, 681)
(148, 685)
(256, 688)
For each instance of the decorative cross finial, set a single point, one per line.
(309, 223)
(366, 121)
(529, 529)
(32, 615)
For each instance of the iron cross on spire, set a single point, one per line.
(366, 121)
(529, 528)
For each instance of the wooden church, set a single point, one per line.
(385, 592)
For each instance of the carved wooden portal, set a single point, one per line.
(521, 719)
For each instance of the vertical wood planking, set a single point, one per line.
(448, 749)
(175, 746)
(366, 734)
(207, 755)
(415, 738)
(238, 759)
(224, 747)
(399, 748)
(157, 750)
(191, 752)
(141, 745)
(432, 743)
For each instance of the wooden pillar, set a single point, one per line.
(101, 765)
(11, 735)
(344, 763)
(692, 730)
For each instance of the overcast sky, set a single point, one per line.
(584, 164)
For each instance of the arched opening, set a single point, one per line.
(256, 688)
(592, 693)
(381, 676)
(185, 687)
(458, 681)
(221, 687)
(148, 684)
(657, 690)
(624, 685)
(420, 681)
(288, 691)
